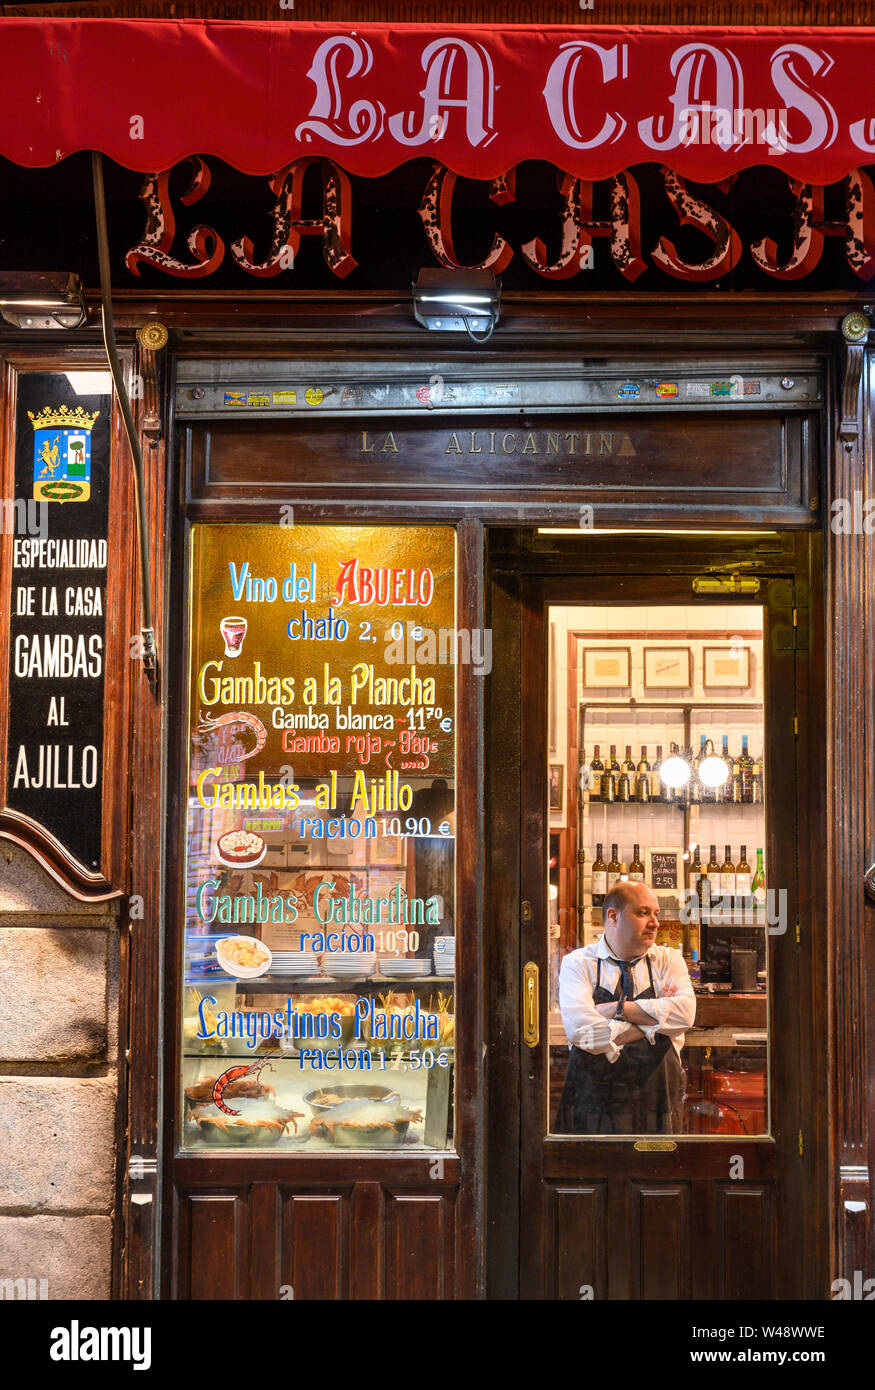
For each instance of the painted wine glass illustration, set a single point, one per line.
(233, 630)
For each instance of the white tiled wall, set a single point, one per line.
(609, 728)
(659, 825)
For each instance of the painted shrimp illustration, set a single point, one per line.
(234, 1074)
(206, 725)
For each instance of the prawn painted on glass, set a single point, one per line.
(207, 725)
(234, 1074)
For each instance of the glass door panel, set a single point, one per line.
(659, 904)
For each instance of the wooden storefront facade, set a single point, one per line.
(380, 1227)
(685, 489)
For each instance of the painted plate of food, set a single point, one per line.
(240, 849)
(243, 956)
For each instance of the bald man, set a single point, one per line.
(626, 1004)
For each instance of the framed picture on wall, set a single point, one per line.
(386, 850)
(555, 784)
(726, 668)
(667, 668)
(606, 668)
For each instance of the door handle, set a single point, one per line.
(869, 883)
(531, 1005)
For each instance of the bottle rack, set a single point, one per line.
(632, 707)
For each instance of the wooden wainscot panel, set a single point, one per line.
(579, 1239)
(745, 1242)
(419, 1245)
(756, 465)
(315, 1245)
(661, 1221)
(212, 1231)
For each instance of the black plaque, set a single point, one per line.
(57, 656)
(664, 869)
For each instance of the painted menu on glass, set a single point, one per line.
(319, 930)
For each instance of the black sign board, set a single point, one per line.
(664, 869)
(389, 237)
(57, 642)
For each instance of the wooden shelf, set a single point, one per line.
(287, 984)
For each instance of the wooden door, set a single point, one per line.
(697, 1216)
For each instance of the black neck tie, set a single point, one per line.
(627, 988)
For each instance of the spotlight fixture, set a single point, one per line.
(675, 771)
(456, 301)
(33, 300)
(713, 770)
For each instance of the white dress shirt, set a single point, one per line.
(584, 1025)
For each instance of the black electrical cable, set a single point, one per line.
(146, 631)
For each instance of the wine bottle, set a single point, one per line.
(712, 873)
(656, 790)
(614, 868)
(735, 781)
(758, 884)
(695, 782)
(642, 786)
(698, 883)
(596, 772)
(707, 791)
(727, 879)
(724, 791)
(636, 868)
(742, 878)
(745, 764)
(628, 761)
(599, 878)
(670, 794)
(626, 783)
(611, 776)
(757, 779)
(690, 791)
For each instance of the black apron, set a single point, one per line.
(642, 1092)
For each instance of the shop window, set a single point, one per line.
(660, 904)
(319, 943)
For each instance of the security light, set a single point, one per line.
(456, 301)
(34, 300)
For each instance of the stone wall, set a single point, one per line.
(58, 1082)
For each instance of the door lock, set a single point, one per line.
(721, 584)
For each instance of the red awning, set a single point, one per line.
(706, 101)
